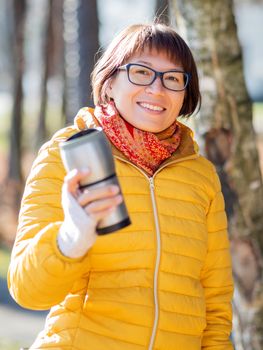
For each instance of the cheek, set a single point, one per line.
(178, 103)
(124, 96)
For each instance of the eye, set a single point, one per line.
(141, 71)
(172, 77)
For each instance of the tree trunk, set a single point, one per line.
(47, 51)
(16, 118)
(14, 179)
(10, 191)
(56, 64)
(71, 60)
(81, 45)
(226, 123)
(162, 11)
(88, 46)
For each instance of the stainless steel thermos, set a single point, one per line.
(91, 149)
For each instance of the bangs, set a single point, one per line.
(158, 38)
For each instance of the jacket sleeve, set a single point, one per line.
(216, 277)
(39, 275)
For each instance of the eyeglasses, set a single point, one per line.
(139, 74)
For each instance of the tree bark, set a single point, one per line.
(226, 123)
(71, 60)
(88, 46)
(162, 11)
(14, 175)
(47, 52)
(10, 190)
(57, 51)
(81, 45)
(15, 171)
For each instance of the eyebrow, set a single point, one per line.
(145, 62)
(150, 64)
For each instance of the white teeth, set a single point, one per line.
(154, 108)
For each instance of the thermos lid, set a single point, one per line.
(82, 137)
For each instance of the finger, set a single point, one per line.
(88, 196)
(103, 204)
(98, 216)
(73, 178)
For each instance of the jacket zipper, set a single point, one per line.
(158, 240)
(157, 265)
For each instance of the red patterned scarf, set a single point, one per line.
(145, 149)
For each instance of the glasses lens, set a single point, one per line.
(140, 75)
(175, 80)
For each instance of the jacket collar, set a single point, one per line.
(188, 148)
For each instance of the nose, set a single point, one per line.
(156, 87)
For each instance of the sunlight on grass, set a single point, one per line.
(258, 110)
(258, 117)
(6, 344)
(4, 263)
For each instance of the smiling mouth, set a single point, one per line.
(151, 107)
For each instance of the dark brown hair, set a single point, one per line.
(135, 39)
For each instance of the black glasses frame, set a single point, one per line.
(156, 75)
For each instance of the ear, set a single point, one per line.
(109, 91)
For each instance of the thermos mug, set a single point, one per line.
(91, 149)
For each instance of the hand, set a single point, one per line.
(83, 211)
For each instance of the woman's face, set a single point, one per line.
(151, 108)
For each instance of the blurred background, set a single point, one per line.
(47, 51)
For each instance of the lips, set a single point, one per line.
(151, 107)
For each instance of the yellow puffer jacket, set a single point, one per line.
(163, 282)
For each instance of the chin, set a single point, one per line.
(153, 130)
(149, 128)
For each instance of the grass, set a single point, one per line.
(8, 345)
(258, 109)
(4, 263)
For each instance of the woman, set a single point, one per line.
(164, 282)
